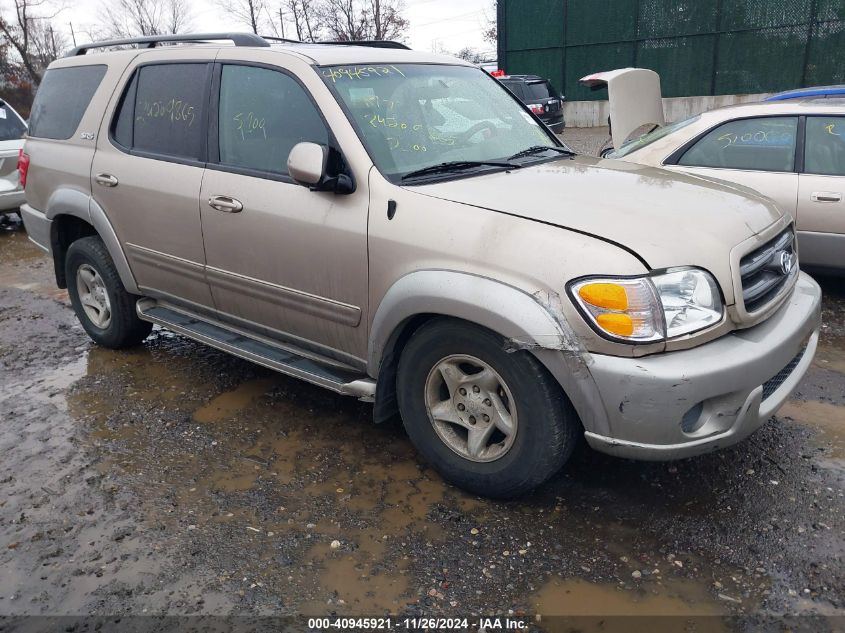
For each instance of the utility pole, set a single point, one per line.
(282, 22)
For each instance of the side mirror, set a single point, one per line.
(307, 163)
(310, 165)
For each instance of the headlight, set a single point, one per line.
(650, 308)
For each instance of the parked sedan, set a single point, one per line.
(790, 148)
(12, 130)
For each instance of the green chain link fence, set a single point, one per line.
(699, 47)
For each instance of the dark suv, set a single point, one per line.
(537, 93)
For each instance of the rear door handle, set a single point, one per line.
(226, 204)
(107, 180)
(825, 196)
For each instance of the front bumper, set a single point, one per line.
(694, 401)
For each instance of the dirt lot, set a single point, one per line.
(174, 479)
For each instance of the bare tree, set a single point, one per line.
(351, 20)
(248, 12)
(307, 19)
(131, 18)
(30, 34)
(387, 20)
(491, 31)
(470, 54)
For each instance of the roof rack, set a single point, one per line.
(150, 41)
(284, 40)
(816, 91)
(370, 43)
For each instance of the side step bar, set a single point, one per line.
(215, 334)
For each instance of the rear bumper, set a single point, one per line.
(694, 401)
(11, 200)
(37, 226)
(555, 124)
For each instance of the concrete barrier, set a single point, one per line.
(594, 113)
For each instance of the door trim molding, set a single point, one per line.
(171, 263)
(284, 297)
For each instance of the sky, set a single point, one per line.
(446, 25)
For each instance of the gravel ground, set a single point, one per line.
(176, 480)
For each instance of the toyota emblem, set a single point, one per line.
(787, 261)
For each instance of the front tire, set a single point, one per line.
(492, 422)
(103, 306)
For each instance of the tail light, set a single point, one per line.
(536, 108)
(23, 167)
(498, 73)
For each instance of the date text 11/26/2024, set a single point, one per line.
(416, 624)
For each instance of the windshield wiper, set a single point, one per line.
(536, 149)
(457, 165)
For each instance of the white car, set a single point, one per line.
(12, 131)
(790, 148)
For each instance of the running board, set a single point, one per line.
(344, 381)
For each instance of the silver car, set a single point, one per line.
(12, 131)
(790, 148)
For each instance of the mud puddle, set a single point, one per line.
(590, 607)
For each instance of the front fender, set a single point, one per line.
(534, 322)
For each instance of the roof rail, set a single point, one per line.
(150, 41)
(284, 40)
(816, 91)
(370, 43)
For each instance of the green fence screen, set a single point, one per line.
(699, 47)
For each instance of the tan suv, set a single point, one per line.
(396, 226)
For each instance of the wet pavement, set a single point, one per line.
(174, 479)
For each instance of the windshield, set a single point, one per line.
(413, 116)
(647, 139)
(11, 126)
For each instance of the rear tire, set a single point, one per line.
(492, 422)
(103, 306)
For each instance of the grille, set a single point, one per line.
(772, 384)
(766, 270)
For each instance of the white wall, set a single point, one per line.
(594, 113)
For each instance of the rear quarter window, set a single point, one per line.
(62, 99)
(540, 90)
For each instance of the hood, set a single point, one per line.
(667, 219)
(634, 100)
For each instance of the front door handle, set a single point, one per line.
(107, 180)
(826, 196)
(226, 204)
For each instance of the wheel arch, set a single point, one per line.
(74, 214)
(525, 321)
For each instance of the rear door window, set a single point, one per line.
(761, 144)
(61, 100)
(824, 148)
(162, 112)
